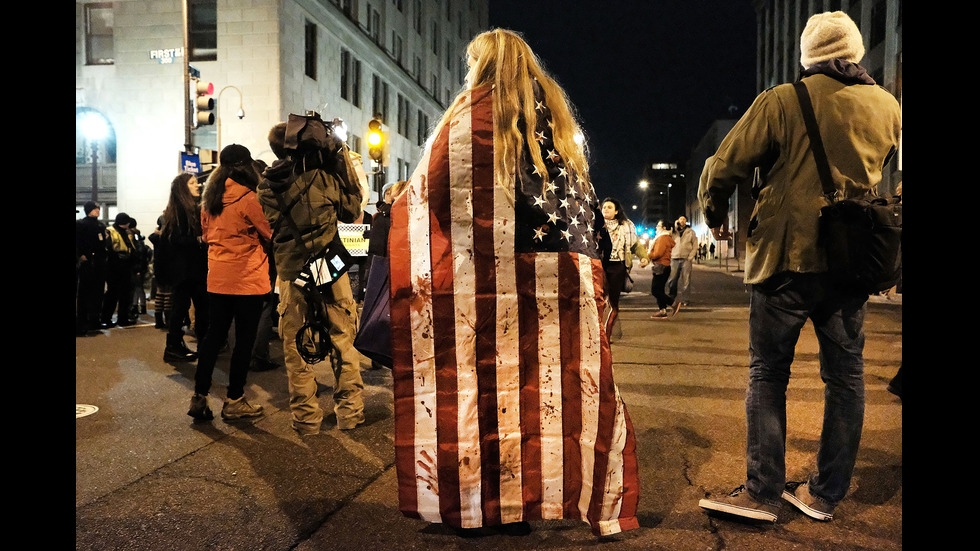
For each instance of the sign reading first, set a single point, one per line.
(166, 56)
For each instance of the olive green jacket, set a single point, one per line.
(860, 125)
(316, 200)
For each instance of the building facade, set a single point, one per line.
(402, 60)
(779, 26)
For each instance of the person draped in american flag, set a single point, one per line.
(506, 410)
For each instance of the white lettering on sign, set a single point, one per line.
(167, 56)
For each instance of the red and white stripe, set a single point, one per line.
(505, 405)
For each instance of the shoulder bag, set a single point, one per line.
(862, 236)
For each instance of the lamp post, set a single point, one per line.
(240, 113)
(94, 128)
(643, 186)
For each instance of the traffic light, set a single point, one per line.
(203, 105)
(376, 140)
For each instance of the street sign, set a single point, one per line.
(189, 163)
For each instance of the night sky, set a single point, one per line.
(648, 77)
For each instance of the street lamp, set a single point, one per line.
(240, 113)
(643, 200)
(95, 129)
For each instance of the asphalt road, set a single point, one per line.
(148, 478)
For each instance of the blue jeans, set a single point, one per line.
(779, 307)
(679, 282)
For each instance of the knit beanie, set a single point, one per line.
(90, 206)
(830, 35)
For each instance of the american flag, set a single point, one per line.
(505, 404)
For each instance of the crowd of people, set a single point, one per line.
(516, 239)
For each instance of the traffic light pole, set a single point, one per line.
(188, 146)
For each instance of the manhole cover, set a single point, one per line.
(81, 410)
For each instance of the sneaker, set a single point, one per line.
(675, 308)
(199, 408)
(740, 504)
(240, 409)
(799, 496)
(662, 314)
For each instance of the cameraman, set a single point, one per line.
(309, 184)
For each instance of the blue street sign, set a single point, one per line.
(190, 163)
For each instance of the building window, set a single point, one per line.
(449, 57)
(311, 49)
(374, 25)
(380, 99)
(396, 49)
(349, 7)
(98, 34)
(417, 16)
(350, 78)
(878, 24)
(202, 31)
(434, 36)
(355, 82)
(403, 109)
(421, 133)
(417, 67)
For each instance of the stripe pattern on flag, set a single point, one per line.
(505, 404)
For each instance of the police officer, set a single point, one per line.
(90, 269)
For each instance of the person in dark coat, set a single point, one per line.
(184, 265)
(90, 268)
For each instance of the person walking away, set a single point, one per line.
(308, 190)
(237, 235)
(90, 263)
(681, 263)
(660, 251)
(160, 292)
(494, 269)
(142, 256)
(861, 124)
(119, 273)
(185, 266)
(618, 243)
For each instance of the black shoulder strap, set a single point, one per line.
(816, 144)
(285, 213)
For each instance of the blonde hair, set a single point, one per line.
(504, 60)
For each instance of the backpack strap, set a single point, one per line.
(816, 143)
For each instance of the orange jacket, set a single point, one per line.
(237, 239)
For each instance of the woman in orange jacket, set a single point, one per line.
(238, 237)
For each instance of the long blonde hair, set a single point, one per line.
(504, 60)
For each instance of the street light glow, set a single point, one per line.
(644, 184)
(94, 126)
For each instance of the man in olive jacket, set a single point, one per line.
(860, 123)
(315, 198)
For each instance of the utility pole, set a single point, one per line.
(188, 146)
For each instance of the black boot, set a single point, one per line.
(178, 352)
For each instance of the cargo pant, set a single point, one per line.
(345, 361)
